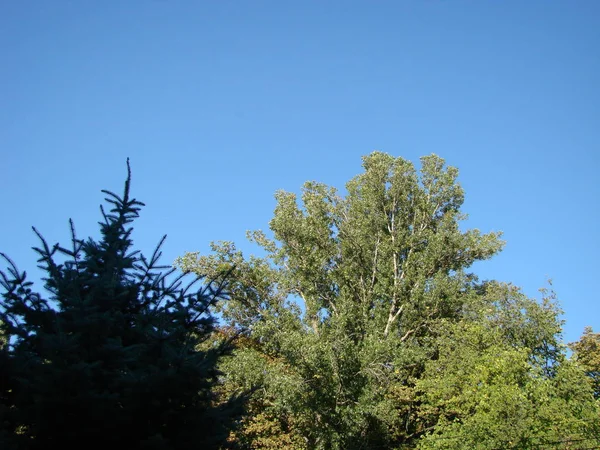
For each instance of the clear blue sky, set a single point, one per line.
(221, 103)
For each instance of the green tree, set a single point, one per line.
(112, 357)
(340, 311)
(501, 380)
(587, 354)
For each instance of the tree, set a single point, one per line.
(112, 357)
(370, 275)
(501, 380)
(587, 354)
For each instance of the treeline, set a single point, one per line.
(360, 327)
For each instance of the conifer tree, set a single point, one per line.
(114, 355)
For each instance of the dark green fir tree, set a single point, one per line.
(118, 354)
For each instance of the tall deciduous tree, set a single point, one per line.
(340, 312)
(111, 357)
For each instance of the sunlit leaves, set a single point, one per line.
(372, 272)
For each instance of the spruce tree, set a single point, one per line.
(117, 353)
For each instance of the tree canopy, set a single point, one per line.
(587, 354)
(349, 313)
(360, 325)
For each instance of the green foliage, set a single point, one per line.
(490, 385)
(373, 272)
(364, 330)
(587, 354)
(112, 357)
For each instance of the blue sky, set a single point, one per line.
(221, 103)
